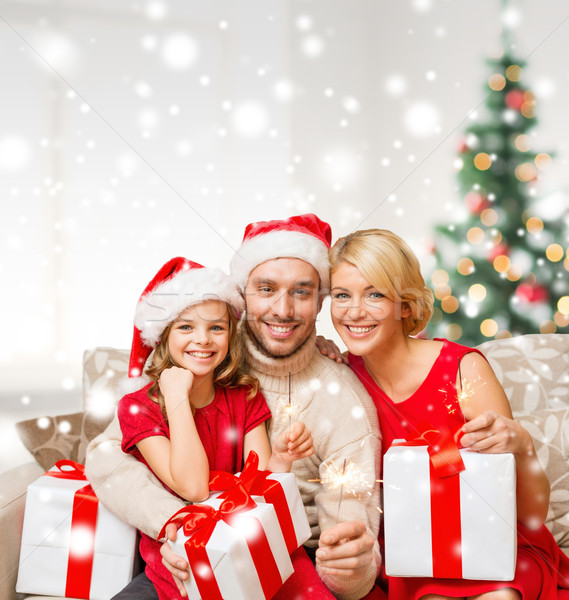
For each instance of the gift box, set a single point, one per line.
(72, 545)
(234, 547)
(449, 521)
(278, 489)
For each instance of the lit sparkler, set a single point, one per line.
(348, 477)
(467, 389)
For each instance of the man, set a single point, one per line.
(283, 271)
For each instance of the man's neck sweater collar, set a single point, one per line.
(279, 367)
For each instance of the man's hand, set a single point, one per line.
(345, 551)
(177, 566)
(330, 349)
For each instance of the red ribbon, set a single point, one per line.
(445, 464)
(83, 521)
(199, 521)
(257, 484)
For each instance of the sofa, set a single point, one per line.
(533, 369)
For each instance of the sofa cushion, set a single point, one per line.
(54, 438)
(550, 432)
(103, 369)
(533, 370)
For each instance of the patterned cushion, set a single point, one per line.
(103, 369)
(550, 432)
(533, 370)
(50, 439)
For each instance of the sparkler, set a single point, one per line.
(349, 478)
(287, 411)
(289, 403)
(467, 389)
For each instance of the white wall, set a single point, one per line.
(123, 144)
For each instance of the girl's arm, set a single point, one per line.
(180, 462)
(492, 429)
(290, 445)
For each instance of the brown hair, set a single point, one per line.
(228, 374)
(389, 264)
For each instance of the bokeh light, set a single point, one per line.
(465, 266)
(554, 252)
(497, 82)
(449, 304)
(534, 225)
(489, 327)
(477, 292)
(482, 161)
(475, 235)
(453, 332)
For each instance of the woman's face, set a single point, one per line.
(361, 314)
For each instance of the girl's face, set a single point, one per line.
(361, 314)
(199, 337)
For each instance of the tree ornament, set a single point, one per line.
(531, 293)
(476, 202)
(515, 99)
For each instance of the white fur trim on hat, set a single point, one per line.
(280, 244)
(158, 308)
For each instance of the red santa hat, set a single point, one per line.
(179, 283)
(302, 236)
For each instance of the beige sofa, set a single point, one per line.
(534, 370)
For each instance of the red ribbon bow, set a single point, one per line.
(84, 518)
(445, 464)
(199, 521)
(442, 446)
(257, 484)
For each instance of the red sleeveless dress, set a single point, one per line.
(542, 568)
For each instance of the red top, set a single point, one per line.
(540, 563)
(221, 425)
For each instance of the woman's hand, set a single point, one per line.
(328, 348)
(494, 433)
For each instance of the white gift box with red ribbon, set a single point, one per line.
(457, 526)
(72, 545)
(235, 548)
(278, 489)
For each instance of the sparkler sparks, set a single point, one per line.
(348, 478)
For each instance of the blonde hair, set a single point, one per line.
(390, 265)
(228, 374)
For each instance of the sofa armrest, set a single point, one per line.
(14, 484)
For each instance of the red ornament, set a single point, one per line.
(498, 250)
(528, 293)
(515, 99)
(463, 146)
(476, 202)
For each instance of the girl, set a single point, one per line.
(197, 411)
(380, 300)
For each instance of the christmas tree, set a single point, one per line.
(504, 269)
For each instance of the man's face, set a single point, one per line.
(281, 303)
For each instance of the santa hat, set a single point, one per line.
(178, 284)
(302, 236)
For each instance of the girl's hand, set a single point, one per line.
(328, 348)
(290, 445)
(494, 433)
(175, 382)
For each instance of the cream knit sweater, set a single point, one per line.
(328, 398)
(332, 402)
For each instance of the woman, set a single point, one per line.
(379, 300)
